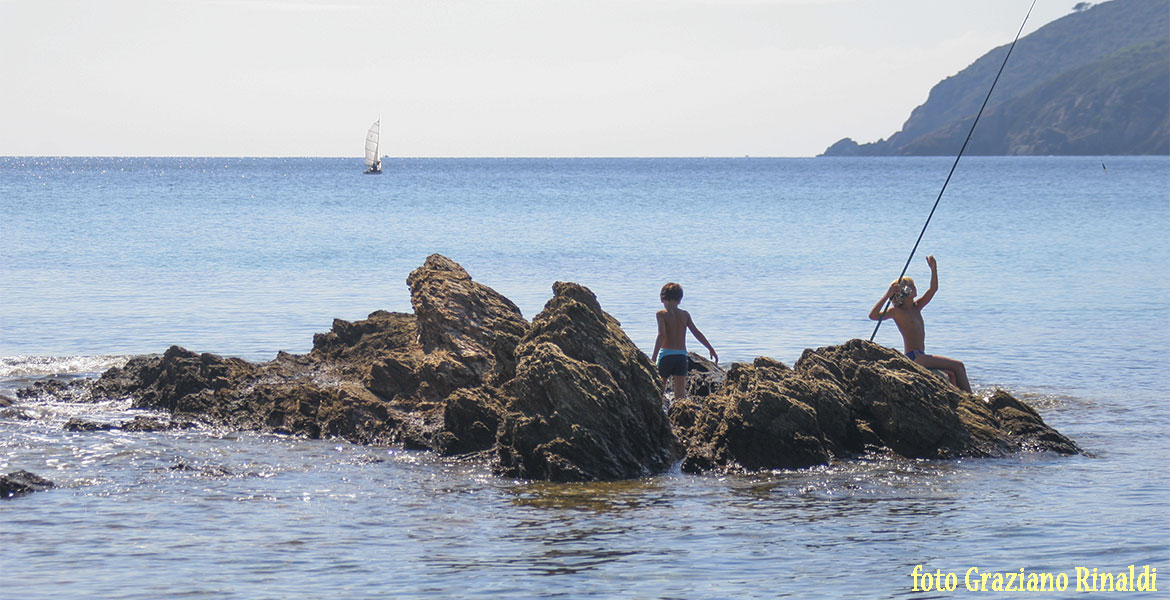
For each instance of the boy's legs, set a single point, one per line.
(679, 383)
(956, 368)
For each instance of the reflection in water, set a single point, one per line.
(598, 497)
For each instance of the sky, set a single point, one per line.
(480, 78)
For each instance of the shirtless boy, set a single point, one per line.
(673, 323)
(906, 311)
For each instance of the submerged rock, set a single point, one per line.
(839, 401)
(63, 390)
(22, 482)
(144, 424)
(568, 397)
(78, 424)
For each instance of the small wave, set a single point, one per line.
(24, 366)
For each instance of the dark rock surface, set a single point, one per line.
(568, 397)
(77, 424)
(840, 401)
(143, 424)
(22, 482)
(64, 390)
(571, 398)
(585, 403)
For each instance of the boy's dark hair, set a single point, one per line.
(672, 291)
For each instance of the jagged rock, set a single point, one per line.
(475, 323)
(22, 482)
(703, 376)
(839, 401)
(355, 345)
(585, 404)
(567, 397)
(763, 417)
(416, 380)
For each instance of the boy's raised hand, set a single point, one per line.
(930, 261)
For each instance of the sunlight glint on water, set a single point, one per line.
(1055, 278)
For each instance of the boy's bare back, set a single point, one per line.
(673, 324)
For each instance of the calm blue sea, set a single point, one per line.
(1055, 285)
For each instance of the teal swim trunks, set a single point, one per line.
(672, 362)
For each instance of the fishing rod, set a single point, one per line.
(956, 164)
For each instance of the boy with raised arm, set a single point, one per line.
(906, 311)
(673, 323)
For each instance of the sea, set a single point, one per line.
(1054, 284)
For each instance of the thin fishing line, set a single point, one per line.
(956, 164)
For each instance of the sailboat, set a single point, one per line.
(373, 159)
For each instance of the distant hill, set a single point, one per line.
(1094, 82)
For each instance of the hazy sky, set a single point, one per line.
(479, 77)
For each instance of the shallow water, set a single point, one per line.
(1054, 280)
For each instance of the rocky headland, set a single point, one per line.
(1094, 82)
(567, 396)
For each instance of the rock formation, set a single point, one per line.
(416, 380)
(22, 482)
(568, 397)
(840, 401)
(585, 402)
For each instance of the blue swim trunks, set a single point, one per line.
(913, 354)
(672, 362)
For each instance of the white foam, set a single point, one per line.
(24, 366)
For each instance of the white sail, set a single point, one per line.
(372, 144)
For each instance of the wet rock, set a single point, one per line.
(78, 424)
(22, 482)
(840, 401)
(17, 414)
(61, 390)
(703, 376)
(764, 416)
(184, 381)
(471, 420)
(6, 401)
(214, 471)
(143, 424)
(585, 403)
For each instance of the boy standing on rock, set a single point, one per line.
(673, 323)
(907, 314)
